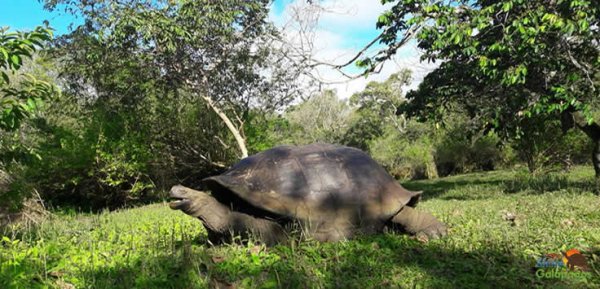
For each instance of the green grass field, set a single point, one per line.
(500, 223)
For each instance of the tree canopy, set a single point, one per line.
(224, 54)
(503, 61)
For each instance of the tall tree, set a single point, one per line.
(220, 52)
(322, 118)
(504, 61)
(384, 99)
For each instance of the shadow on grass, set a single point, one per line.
(546, 183)
(389, 261)
(383, 261)
(438, 188)
(482, 186)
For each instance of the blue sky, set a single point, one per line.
(27, 14)
(344, 27)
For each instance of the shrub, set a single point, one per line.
(402, 157)
(96, 162)
(456, 153)
(544, 146)
(105, 155)
(322, 118)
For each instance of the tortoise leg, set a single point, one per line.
(417, 222)
(220, 221)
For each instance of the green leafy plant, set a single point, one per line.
(504, 61)
(20, 94)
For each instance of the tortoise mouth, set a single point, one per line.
(177, 201)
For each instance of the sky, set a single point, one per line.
(343, 28)
(27, 14)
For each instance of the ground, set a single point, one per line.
(500, 224)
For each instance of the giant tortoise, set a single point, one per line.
(331, 192)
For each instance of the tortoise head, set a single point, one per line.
(187, 200)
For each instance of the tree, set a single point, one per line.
(222, 53)
(20, 93)
(322, 118)
(375, 110)
(384, 99)
(504, 61)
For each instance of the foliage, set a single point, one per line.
(534, 57)
(96, 157)
(548, 147)
(23, 90)
(103, 165)
(362, 129)
(504, 61)
(384, 99)
(268, 130)
(155, 247)
(410, 149)
(462, 147)
(322, 118)
(376, 107)
(146, 84)
(20, 94)
(220, 53)
(405, 158)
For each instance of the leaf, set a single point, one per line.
(31, 103)
(383, 20)
(15, 61)
(5, 77)
(583, 25)
(4, 53)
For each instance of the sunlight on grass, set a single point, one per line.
(500, 223)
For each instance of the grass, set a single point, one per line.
(500, 223)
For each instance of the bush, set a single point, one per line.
(188, 142)
(544, 146)
(266, 131)
(457, 153)
(403, 157)
(96, 162)
(106, 156)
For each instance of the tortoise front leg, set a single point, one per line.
(417, 222)
(220, 221)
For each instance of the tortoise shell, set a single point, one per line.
(317, 183)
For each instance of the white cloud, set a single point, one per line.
(343, 28)
(351, 14)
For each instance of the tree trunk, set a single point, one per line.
(592, 130)
(241, 142)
